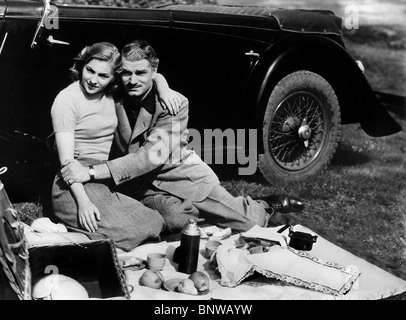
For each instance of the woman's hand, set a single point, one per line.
(88, 215)
(170, 100)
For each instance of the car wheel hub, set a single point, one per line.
(305, 133)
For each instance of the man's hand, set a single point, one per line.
(72, 171)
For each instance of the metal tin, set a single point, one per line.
(301, 240)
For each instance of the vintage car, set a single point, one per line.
(283, 78)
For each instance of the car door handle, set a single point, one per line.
(51, 41)
(252, 54)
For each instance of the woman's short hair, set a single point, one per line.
(139, 50)
(102, 51)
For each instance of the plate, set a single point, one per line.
(133, 263)
(172, 285)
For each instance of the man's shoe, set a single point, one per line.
(284, 203)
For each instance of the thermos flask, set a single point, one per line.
(189, 247)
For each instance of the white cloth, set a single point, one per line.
(46, 225)
(302, 269)
(234, 265)
(44, 232)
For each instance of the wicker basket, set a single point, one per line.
(94, 264)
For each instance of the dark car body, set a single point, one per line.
(226, 60)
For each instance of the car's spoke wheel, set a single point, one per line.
(301, 128)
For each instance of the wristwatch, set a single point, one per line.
(92, 172)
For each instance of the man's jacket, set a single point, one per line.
(156, 150)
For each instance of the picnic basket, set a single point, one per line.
(94, 263)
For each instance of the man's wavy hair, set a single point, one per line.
(139, 50)
(102, 51)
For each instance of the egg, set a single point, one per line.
(58, 287)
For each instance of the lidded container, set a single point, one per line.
(189, 247)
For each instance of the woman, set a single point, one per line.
(84, 118)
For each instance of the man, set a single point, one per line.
(156, 167)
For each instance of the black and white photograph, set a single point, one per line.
(203, 155)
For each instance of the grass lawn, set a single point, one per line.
(382, 49)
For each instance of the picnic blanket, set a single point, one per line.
(369, 283)
(258, 276)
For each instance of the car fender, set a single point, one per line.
(329, 59)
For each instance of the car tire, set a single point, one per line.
(301, 128)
